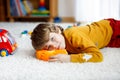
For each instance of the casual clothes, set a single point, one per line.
(115, 40)
(84, 42)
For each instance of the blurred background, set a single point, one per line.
(58, 10)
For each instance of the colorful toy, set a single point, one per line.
(42, 5)
(45, 54)
(42, 10)
(7, 43)
(25, 33)
(75, 25)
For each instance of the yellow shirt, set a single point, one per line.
(84, 42)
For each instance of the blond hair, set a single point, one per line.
(40, 34)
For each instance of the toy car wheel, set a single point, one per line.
(4, 53)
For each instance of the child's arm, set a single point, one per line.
(83, 49)
(89, 55)
(60, 58)
(92, 55)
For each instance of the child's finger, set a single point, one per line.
(53, 57)
(52, 60)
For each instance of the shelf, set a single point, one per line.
(50, 5)
(28, 19)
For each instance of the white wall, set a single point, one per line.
(94, 8)
(66, 8)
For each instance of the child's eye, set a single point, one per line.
(52, 39)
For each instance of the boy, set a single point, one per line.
(82, 43)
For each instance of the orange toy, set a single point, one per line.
(45, 54)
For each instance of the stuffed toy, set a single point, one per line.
(45, 54)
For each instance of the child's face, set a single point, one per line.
(56, 41)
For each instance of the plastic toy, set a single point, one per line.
(42, 5)
(7, 43)
(44, 54)
(75, 25)
(57, 20)
(42, 10)
(25, 33)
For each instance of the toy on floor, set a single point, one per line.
(75, 25)
(25, 33)
(44, 54)
(7, 43)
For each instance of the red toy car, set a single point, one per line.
(7, 43)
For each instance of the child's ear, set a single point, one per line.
(58, 30)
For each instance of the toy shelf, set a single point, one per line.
(50, 5)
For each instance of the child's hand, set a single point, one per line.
(60, 58)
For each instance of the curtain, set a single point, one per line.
(92, 10)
